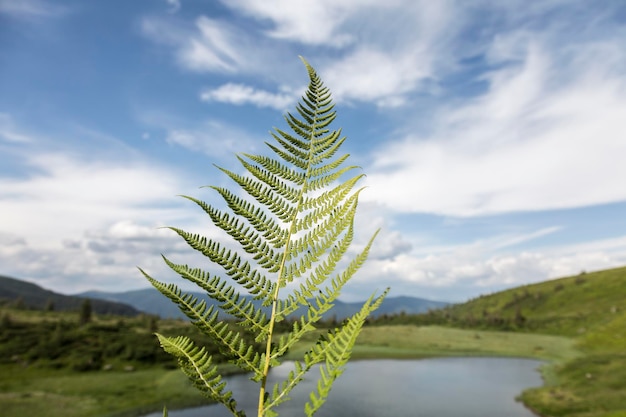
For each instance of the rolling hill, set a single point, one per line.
(35, 297)
(570, 306)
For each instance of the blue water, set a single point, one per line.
(441, 387)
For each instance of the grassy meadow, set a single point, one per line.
(589, 309)
(46, 392)
(576, 324)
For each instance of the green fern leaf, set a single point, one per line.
(196, 363)
(292, 219)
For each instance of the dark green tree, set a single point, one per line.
(85, 312)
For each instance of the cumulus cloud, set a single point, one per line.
(456, 273)
(58, 199)
(387, 81)
(239, 94)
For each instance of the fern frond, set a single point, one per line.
(205, 318)
(272, 231)
(196, 364)
(273, 165)
(251, 240)
(292, 220)
(264, 194)
(295, 160)
(250, 316)
(239, 270)
(324, 299)
(336, 350)
(274, 179)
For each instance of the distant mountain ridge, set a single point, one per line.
(151, 301)
(34, 296)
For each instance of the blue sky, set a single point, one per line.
(492, 133)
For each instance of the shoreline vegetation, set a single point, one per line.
(125, 393)
(576, 324)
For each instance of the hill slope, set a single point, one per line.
(570, 306)
(33, 296)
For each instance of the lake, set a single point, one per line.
(439, 387)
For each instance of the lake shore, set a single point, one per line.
(125, 394)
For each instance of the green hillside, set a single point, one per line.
(14, 292)
(571, 306)
(588, 309)
(591, 309)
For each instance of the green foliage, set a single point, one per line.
(66, 344)
(570, 306)
(85, 312)
(294, 225)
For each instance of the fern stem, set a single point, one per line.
(292, 231)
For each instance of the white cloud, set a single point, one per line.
(214, 138)
(239, 94)
(546, 135)
(30, 8)
(311, 21)
(9, 133)
(67, 196)
(458, 272)
(74, 221)
(61, 192)
(212, 45)
(214, 49)
(377, 64)
(382, 77)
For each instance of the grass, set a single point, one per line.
(588, 308)
(38, 392)
(41, 392)
(35, 391)
(570, 306)
(428, 341)
(578, 324)
(412, 342)
(593, 385)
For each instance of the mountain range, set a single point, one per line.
(151, 301)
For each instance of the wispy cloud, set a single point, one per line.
(214, 138)
(374, 66)
(239, 94)
(545, 135)
(8, 131)
(318, 25)
(31, 8)
(213, 45)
